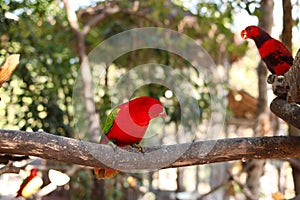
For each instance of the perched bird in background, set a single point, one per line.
(30, 185)
(127, 124)
(276, 56)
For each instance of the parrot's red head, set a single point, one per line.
(251, 32)
(33, 172)
(145, 108)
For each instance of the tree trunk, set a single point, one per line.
(87, 82)
(256, 167)
(286, 36)
(98, 191)
(296, 172)
(287, 40)
(217, 177)
(179, 171)
(179, 180)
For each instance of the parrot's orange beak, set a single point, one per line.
(244, 34)
(157, 113)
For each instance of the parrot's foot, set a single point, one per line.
(113, 145)
(139, 147)
(271, 78)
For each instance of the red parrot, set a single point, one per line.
(127, 124)
(276, 56)
(30, 185)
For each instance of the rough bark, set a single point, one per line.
(287, 40)
(289, 112)
(68, 150)
(292, 80)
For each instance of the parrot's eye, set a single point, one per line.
(249, 29)
(152, 114)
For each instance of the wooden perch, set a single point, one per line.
(68, 150)
(289, 112)
(8, 68)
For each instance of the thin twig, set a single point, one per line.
(9, 168)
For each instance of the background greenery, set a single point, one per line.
(39, 95)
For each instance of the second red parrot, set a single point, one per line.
(273, 52)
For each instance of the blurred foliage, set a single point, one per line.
(81, 181)
(39, 95)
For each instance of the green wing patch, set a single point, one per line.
(110, 120)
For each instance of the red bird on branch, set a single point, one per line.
(127, 124)
(273, 52)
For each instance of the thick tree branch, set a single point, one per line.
(79, 152)
(289, 112)
(292, 79)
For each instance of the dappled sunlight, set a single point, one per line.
(82, 63)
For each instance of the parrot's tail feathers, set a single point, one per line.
(105, 173)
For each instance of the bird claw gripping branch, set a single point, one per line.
(271, 78)
(139, 147)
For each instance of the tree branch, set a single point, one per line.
(101, 11)
(100, 17)
(9, 168)
(247, 192)
(221, 185)
(289, 112)
(72, 17)
(79, 152)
